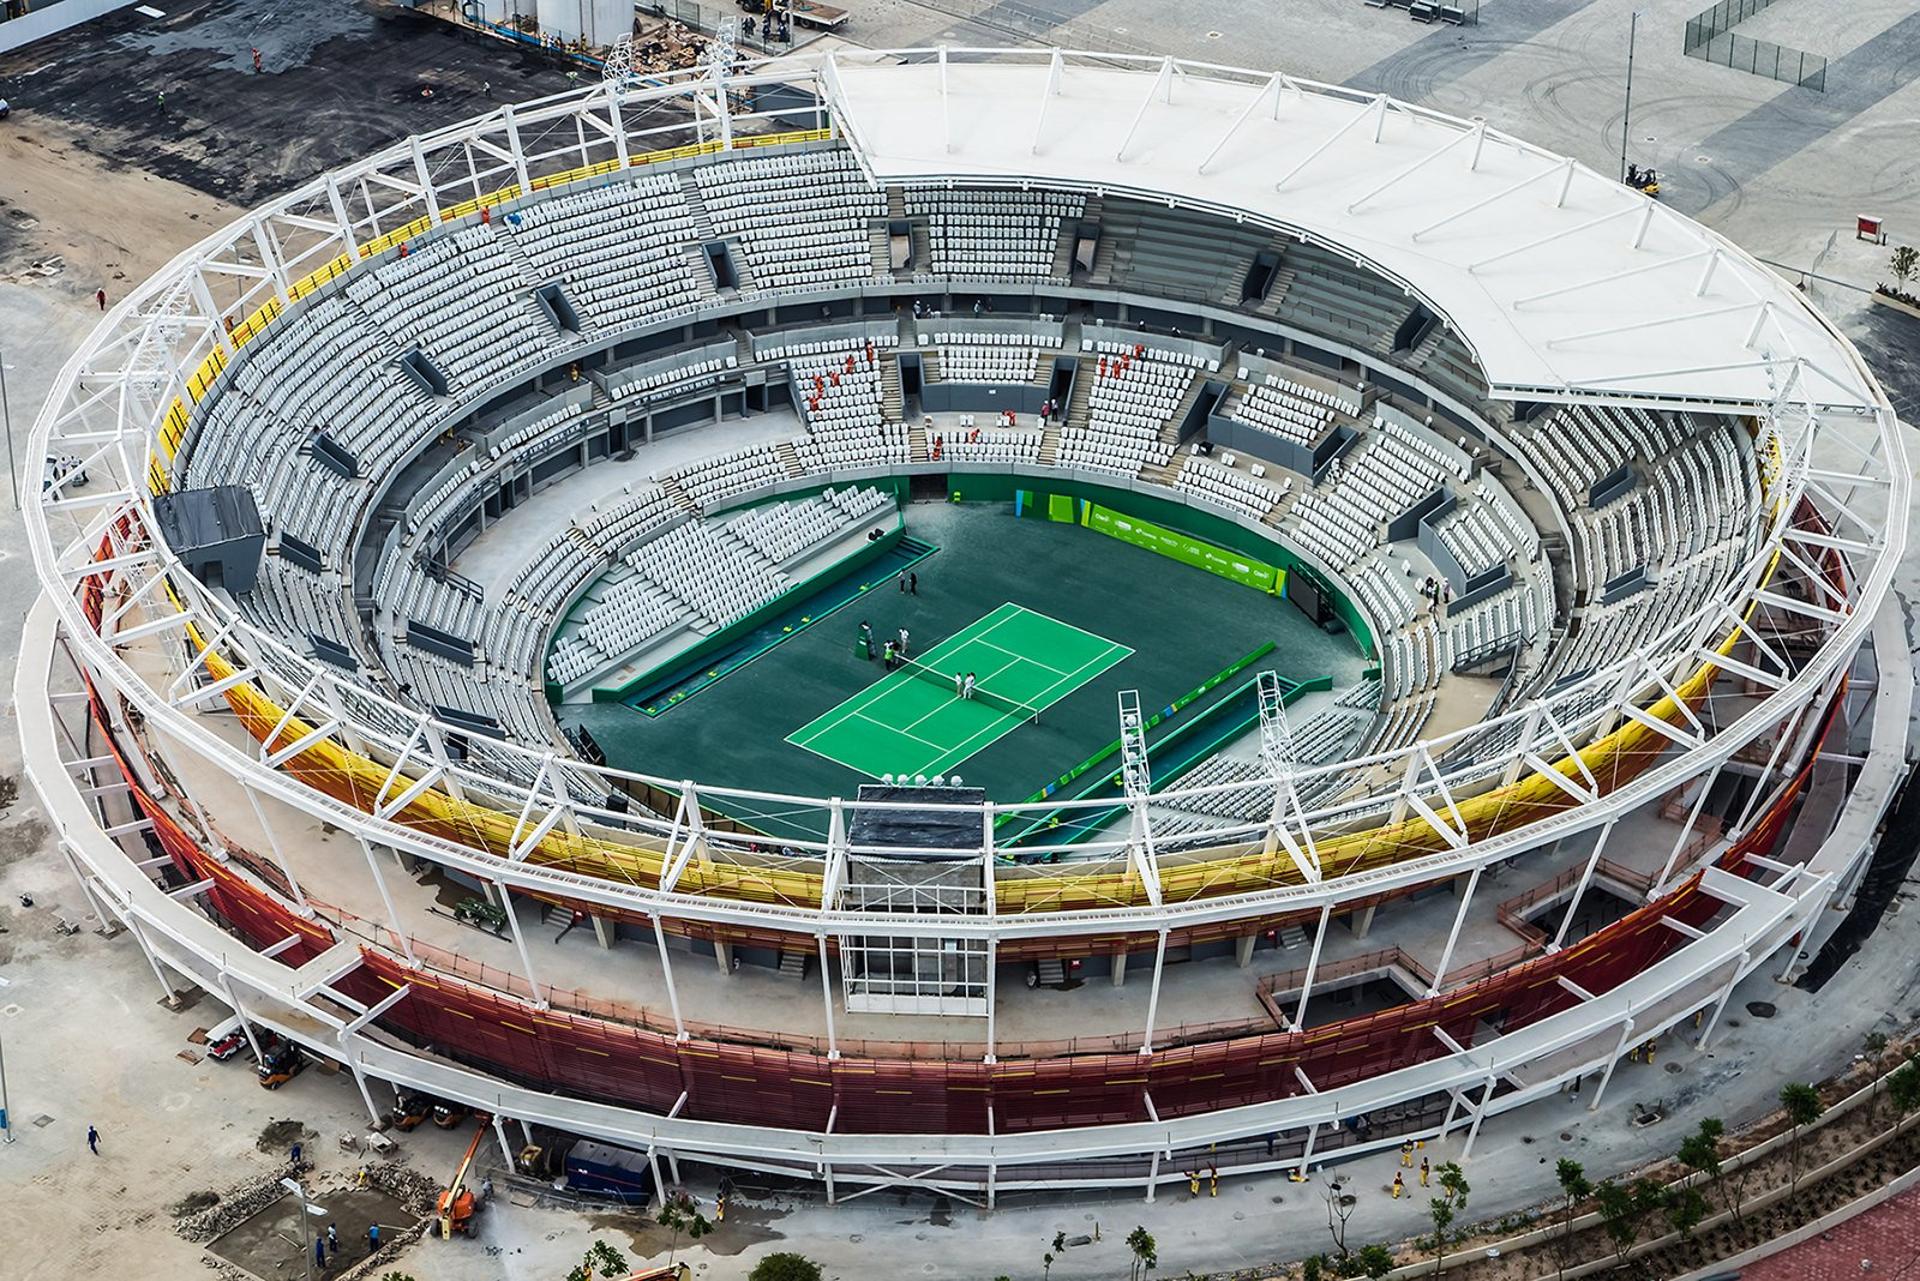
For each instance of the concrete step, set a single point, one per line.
(697, 206)
(1292, 936)
(678, 496)
(1053, 972)
(794, 964)
(511, 244)
(789, 459)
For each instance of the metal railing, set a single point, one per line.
(1709, 36)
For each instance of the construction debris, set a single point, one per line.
(235, 1205)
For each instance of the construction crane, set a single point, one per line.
(457, 1202)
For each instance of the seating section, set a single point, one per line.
(461, 300)
(674, 380)
(1330, 294)
(620, 249)
(989, 358)
(988, 444)
(1474, 535)
(1165, 251)
(1372, 483)
(612, 530)
(994, 235)
(843, 398)
(1225, 487)
(1496, 625)
(714, 479)
(705, 574)
(1134, 396)
(801, 219)
(328, 370)
(293, 605)
(1286, 409)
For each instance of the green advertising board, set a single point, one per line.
(1186, 549)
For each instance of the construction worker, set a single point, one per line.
(1193, 1182)
(1213, 1176)
(865, 643)
(373, 1236)
(1406, 1153)
(93, 1140)
(333, 1239)
(1426, 1168)
(1399, 1185)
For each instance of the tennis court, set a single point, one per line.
(913, 720)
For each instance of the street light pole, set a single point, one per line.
(307, 1209)
(13, 472)
(1626, 118)
(6, 1106)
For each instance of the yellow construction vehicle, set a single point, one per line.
(1643, 180)
(457, 1204)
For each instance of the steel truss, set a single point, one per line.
(123, 406)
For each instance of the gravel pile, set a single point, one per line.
(239, 1202)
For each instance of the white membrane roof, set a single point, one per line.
(1564, 282)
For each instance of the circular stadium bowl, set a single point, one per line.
(309, 765)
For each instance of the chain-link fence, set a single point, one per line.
(1709, 36)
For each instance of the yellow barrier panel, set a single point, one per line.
(307, 284)
(418, 227)
(244, 332)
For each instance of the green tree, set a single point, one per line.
(1443, 1209)
(1904, 263)
(1623, 1212)
(1313, 1267)
(1685, 1209)
(1903, 1087)
(1574, 1188)
(1873, 1045)
(601, 1258)
(1802, 1106)
(1340, 1207)
(785, 1266)
(1054, 1251)
(1146, 1255)
(1375, 1261)
(681, 1213)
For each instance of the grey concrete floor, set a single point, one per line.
(1781, 170)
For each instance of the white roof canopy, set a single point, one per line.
(1564, 282)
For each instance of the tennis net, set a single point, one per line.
(947, 680)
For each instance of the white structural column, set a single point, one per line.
(1153, 995)
(1479, 1115)
(520, 943)
(1313, 963)
(1626, 1034)
(273, 844)
(1580, 888)
(826, 994)
(1720, 1002)
(666, 970)
(1453, 935)
(1686, 831)
(393, 913)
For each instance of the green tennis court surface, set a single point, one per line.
(906, 723)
